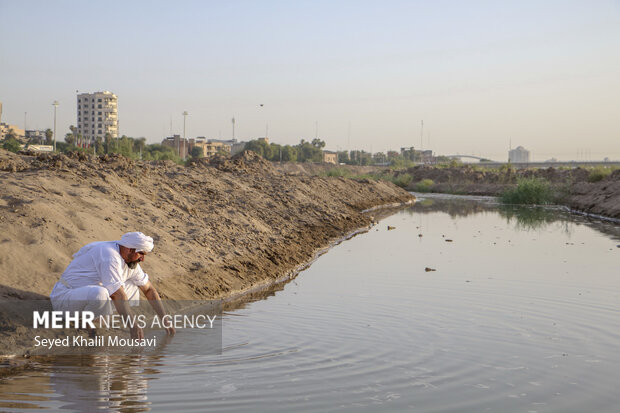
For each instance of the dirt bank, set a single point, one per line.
(601, 198)
(312, 168)
(573, 186)
(478, 181)
(220, 227)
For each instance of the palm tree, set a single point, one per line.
(107, 140)
(48, 136)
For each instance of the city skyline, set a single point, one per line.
(361, 75)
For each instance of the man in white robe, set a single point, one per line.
(108, 272)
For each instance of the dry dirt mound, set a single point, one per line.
(220, 227)
(244, 162)
(601, 198)
(11, 162)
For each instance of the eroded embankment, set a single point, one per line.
(571, 186)
(220, 227)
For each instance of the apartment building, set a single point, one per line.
(519, 155)
(5, 128)
(97, 115)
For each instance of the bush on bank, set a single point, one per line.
(599, 173)
(533, 191)
(424, 185)
(402, 180)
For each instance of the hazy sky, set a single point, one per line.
(543, 74)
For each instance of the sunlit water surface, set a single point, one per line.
(522, 314)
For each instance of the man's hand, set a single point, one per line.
(136, 332)
(152, 295)
(119, 298)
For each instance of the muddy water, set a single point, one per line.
(522, 314)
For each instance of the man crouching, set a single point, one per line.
(108, 271)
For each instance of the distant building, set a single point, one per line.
(519, 155)
(237, 147)
(97, 115)
(177, 143)
(234, 144)
(209, 147)
(427, 156)
(5, 128)
(330, 157)
(36, 136)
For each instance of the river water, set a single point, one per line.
(521, 314)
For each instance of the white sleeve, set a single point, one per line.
(137, 276)
(110, 271)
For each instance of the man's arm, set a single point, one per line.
(119, 298)
(152, 295)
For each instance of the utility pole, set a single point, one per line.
(233, 127)
(421, 138)
(55, 104)
(184, 141)
(349, 139)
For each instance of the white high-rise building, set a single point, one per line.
(97, 115)
(519, 155)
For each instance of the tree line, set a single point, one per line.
(303, 152)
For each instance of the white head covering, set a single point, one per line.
(137, 240)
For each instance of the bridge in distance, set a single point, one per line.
(521, 165)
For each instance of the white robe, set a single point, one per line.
(96, 272)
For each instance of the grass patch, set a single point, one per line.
(532, 191)
(424, 185)
(599, 173)
(402, 180)
(337, 172)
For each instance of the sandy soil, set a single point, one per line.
(600, 198)
(311, 168)
(220, 227)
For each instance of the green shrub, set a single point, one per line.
(11, 144)
(337, 172)
(599, 173)
(529, 191)
(424, 185)
(402, 180)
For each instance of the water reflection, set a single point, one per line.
(456, 208)
(367, 329)
(85, 382)
(525, 218)
(117, 383)
(533, 218)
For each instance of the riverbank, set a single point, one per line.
(593, 191)
(220, 227)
